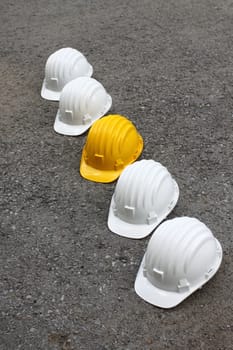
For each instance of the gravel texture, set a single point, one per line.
(67, 281)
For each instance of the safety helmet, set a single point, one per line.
(112, 143)
(82, 101)
(182, 255)
(61, 67)
(145, 194)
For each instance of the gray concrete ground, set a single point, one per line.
(66, 281)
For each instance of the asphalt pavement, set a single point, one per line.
(66, 281)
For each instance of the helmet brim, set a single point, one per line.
(69, 130)
(138, 231)
(76, 130)
(125, 229)
(167, 299)
(97, 175)
(49, 94)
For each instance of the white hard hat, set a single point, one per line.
(82, 102)
(144, 195)
(182, 255)
(61, 67)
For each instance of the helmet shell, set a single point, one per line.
(82, 101)
(182, 255)
(61, 67)
(144, 195)
(112, 143)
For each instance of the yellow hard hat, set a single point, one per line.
(112, 143)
